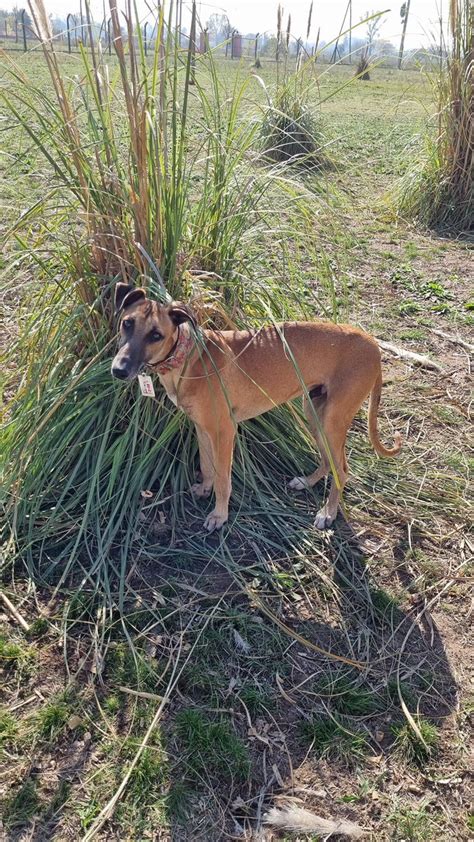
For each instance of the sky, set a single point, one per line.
(260, 16)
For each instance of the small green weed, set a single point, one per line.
(211, 748)
(410, 747)
(412, 251)
(112, 704)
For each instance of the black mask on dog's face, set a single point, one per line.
(148, 330)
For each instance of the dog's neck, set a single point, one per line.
(177, 356)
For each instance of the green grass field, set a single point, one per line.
(241, 709)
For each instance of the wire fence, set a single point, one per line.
(17, 34)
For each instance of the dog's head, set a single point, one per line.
(148, 330)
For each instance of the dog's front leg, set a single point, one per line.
(222, 443)
(206, 464)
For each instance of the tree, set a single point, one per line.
(219, 28)
(373, 30)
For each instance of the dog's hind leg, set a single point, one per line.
(222, 443)
(335, 428)
(314, 411)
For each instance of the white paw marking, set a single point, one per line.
(323, 519)
(299, 484)
(214, 521)
(201, 490)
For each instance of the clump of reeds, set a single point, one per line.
(290, 131)
(362, 69)
(439, 191)
(155, 185)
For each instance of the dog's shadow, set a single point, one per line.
(331, 633)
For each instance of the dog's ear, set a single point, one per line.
(126, 295)
(121, 290)
(179, 313)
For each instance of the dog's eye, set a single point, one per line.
(155, 336)
(127, 324)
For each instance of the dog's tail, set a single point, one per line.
(372, 422)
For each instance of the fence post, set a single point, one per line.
(404, 15)
(145, 43)
(22, 14)
(255, 55)
(68, 25)
(192, 45)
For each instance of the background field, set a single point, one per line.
(258, 716)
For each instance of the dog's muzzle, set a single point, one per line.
(122, 368)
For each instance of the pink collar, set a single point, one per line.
(179, 352)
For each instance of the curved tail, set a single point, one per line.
(372, 422)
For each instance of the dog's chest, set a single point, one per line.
(173, 397)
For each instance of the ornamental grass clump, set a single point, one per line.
(439, 190)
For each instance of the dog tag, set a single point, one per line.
(146, 385)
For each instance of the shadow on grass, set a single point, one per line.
(286, 660)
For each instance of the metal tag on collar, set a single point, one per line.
(146, 385)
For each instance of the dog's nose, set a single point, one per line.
(120, 370)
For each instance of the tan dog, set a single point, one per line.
(220, 378)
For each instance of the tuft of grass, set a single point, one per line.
(382, 601)
(409, 746)
(148, 778)
(211, 748)
(52, 718)
(413, 824)
(256, 699)
(439, 190)
(291, 133)
(130, 667)
(347, 698)
(362, 69)
(15, 656)
(331, 739)
(8, 727)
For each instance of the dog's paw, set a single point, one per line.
(199, 489)
(323, 520)
(214, 521)
(299, 484)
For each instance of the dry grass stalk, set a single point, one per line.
(299, 820)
